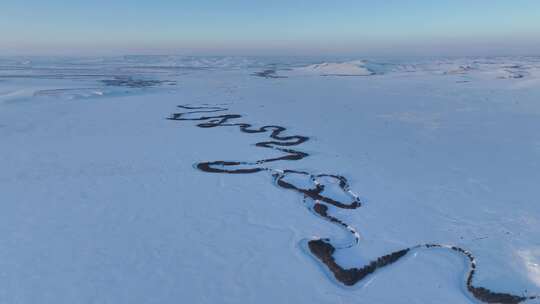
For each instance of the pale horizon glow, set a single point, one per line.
(242, 27)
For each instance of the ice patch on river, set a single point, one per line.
(531, 259)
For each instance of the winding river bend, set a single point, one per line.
(318, 192)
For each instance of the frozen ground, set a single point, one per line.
(101, 200)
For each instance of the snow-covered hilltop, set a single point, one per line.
(352, 68)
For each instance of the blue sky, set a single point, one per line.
(272, 26)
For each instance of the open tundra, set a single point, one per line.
(166, 179)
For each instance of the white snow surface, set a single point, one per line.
(100, 202)
(352, 68)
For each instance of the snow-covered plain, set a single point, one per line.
(100, 201)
